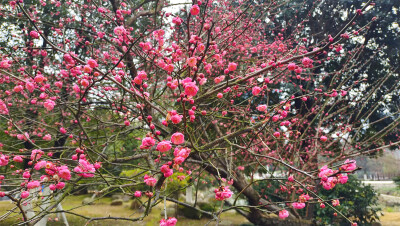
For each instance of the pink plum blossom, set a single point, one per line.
(298, 205)
(262, 107)
(195, 10)
(84, 169)
(33, 184)
(49, 105)
(177, 138)
(232, 66)
(283, 214)
(24, 194)
(192, 61)
(350, 166)
(222, 193)
(138, 194)
(169, 222)
(150, 181)
(256, 90)
(120, 30)
(147, 143)
(164, 146)
(17, 158)
(3, 108)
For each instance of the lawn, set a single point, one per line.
(102, 208)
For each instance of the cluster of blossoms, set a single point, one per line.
(150, 181)
(180, 154)
(4, 64)
(3, 108)
(140, 77)
(222, 193)
(163, 146)
(4, 160)
(166, 170)
(177, 20)
(85, 169)
(52, 171)
(283, 214)
(301, 202)
(168, 222)
(55, 174)
(49, 104)
(175, 117)
(191, 88)
(329, 177)
(147, 143)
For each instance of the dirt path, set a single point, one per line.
(390, 219)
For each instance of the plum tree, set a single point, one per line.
(224, 93)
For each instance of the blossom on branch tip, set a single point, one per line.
(17, 158)
(34, 34)
(195, 10)
(232, 66)
(191, 89)
(138, 194)
(150, 181)
(222, 193)
(256, 90)
(177, 20)
(164, 146)
(147, 143)
(177, 138)
(283, 214)
(33, 184)
(24, 194)
(120, 30)
(3, 108)
(192, 61)
(169, 222)
(49, 105)
(350, 166)
(84, 169)
(335, 202)
(262, 107)
(298, 205)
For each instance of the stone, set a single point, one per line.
(117, 202)
(376, 224)
(126, 198)
(225, 223)
(141, 209)
(170, 212)
(87, 201)
(188, 212)
(116, 196)
(135, 205)
(200, 195)
(189, 195)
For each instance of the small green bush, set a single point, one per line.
(206, 207)
(189, 213)
(358, 203)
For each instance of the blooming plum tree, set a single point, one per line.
(89, 87)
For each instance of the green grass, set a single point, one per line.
(102, 208)
(388, 191)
